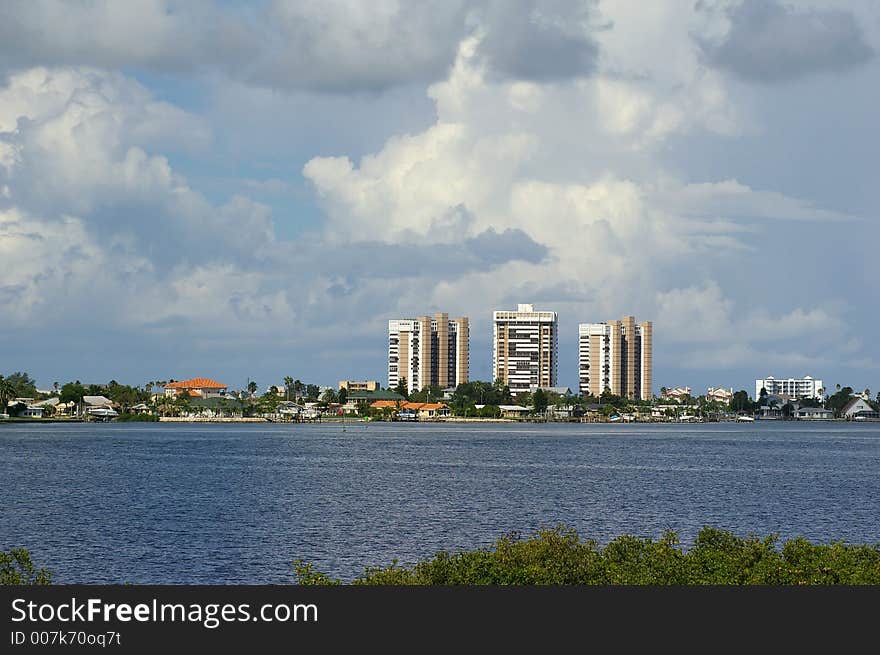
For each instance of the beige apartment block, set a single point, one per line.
(617, 356)
(428, 350)
(525, 348)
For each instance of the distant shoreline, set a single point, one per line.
(451, 419)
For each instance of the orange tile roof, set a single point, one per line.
(196, 383)
(380, 404)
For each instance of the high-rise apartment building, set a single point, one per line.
(525, 348)
(428, 351)
(618, 356)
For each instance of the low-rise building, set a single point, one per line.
(719, 394)
(197, 387)
(813, 413)
(859, 409)
(512, 411)
(406, 409)
(360, 385)
(360, 399)
(32, 411)
(675, 393)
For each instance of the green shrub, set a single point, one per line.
(557, 556)
(16, 568)
(147, 418)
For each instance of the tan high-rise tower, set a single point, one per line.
(428, 351)
(617, 356)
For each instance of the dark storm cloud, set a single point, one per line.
(769, 42)
(539, 41)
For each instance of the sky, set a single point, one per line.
(245, 191)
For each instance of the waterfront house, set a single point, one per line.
(859, 409)
(196, 387)
(363, 398)
(432, 410)
(410, 411)
(675, 393)
(770, 411)
(32, 411)
(719, 394)
(288, 409)
(513, 411)
(813, 413)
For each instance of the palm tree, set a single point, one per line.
(7, 391)
(182, 404)
(288, 382)
(252, 388)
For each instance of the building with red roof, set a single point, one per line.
(199, 387)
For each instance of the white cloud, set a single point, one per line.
(529, 184)
(578, 167)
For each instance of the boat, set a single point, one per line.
(745, 419)
(102, 413)
(614, 418)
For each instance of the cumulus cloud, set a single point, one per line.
(324, 46)
(721, 333)
(769, 42)
(539, 41)
(335, 46)
(98, 230)
(577, 167)
(541, 171)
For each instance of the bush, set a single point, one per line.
(558, 557)
(16, 568)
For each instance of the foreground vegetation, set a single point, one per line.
(559, 557)
(16, 568)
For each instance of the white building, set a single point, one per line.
(793, 388)
(428, 351)
(719, 394)
(858, 408)
(525, 348)
(617, 356)
(676, 393)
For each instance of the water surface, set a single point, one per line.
(234, 504)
